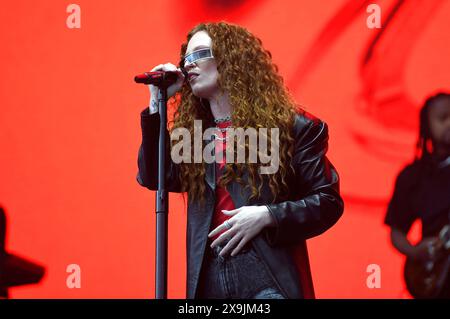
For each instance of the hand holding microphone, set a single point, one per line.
(171, 89)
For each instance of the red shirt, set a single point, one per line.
(223, 198)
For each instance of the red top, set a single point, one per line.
(223, 198)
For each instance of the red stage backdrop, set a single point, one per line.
(70, 130)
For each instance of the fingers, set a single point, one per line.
(221, 239)
(239, 246)
(153, 89)
(230, 245)
(165, 67)
(168, 67)
(233, 211)
(157, 68)
(222, 227)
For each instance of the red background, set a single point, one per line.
(70, 131)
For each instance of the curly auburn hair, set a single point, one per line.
(258, 98)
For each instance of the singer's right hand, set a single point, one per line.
(174, 88)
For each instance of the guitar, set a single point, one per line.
(426, 279)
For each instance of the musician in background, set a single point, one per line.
(422, 189)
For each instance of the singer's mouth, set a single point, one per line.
(192, 76)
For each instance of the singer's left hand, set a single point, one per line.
(246, 222)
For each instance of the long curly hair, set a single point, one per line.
(259, 99)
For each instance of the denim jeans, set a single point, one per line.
(243, 276)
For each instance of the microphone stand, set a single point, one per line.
(162, 80)
(162, 202)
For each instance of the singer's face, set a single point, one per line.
(204, 84)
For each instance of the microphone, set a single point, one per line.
(157, 78)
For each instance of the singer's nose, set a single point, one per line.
(189, 66)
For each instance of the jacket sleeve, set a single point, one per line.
(147, 175)
(318, 205)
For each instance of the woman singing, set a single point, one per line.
(246, 227)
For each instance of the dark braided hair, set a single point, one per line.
(422, 151)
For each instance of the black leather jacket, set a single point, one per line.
(314, 203)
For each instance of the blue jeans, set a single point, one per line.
(243, 276)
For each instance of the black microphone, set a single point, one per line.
(157, 78)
